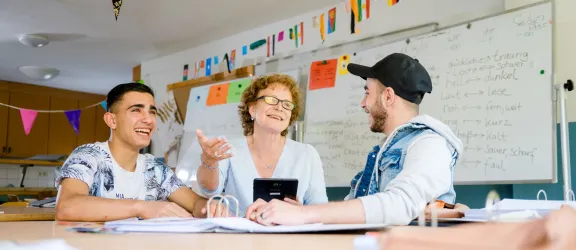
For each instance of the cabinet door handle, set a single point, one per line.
(9, 149)
(3, 149)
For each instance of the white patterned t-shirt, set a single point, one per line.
(94, 165)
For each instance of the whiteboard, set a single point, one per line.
(213, 120)
(492, 84)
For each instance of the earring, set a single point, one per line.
(252, 118)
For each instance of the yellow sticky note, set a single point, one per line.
(343, 64)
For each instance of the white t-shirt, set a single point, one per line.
(94, 165)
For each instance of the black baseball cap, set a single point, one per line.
(404, 74)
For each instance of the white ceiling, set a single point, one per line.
(94, 52)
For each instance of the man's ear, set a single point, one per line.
(388, 96)
(110, 120)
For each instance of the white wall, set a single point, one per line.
(166, 70)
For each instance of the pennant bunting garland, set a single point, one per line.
(296, 35)
(392, 2)
(116, 4)
(273, 44)
(185, 73)
(28, 118)
(74, 119)
(208, 66)
(216, 60)
(332, 20)
(291, 34)
(268, 47)
(353, 16)
(315, 22)
(280, 36)
(227, 62)
(196, 69)
(322, 29)
(244, 50)
(232, 59)
(301, 33)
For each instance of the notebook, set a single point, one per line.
(227, 225)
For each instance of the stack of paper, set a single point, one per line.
(229, 225)
(516, 210)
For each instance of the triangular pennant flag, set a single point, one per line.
(116, 4)
(28, 118)
(74, 119)
(103, 104)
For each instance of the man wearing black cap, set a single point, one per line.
(414, 166)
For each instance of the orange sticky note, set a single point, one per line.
(343, 64)
(217, 94)
(323, 74)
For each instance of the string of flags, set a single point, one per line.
(325, 23)
(29, 116)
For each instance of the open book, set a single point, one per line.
(227, 225)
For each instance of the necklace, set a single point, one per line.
(268, 166)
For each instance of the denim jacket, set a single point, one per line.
(391, 161)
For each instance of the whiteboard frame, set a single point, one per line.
(359, 43)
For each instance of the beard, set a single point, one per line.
(379, 117)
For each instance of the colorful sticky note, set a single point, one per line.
(202, 64)
(323, 74)
(216, 60)
(236, 89)
(245, 50)
(343, 62)
(208, 66)
(280, 36)
(331, 20)
(217, 94)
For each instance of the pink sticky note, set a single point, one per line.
(280, 36)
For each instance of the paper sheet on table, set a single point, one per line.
(231, 224)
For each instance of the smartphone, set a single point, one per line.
(275, 188)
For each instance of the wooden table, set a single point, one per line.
(43, 230)
(26, 214)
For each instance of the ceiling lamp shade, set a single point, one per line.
(39, 73)
(33, 40)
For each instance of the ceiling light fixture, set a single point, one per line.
(39, 73)
(33, 40)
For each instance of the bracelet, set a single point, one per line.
(205, 165)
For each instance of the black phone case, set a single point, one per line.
(270, 188)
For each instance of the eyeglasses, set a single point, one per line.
(271, 100)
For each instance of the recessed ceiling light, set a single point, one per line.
(33, 40)
(39, 73)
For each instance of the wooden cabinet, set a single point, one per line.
(51, 133)
(4, 98)
(102, 130)
(36, 142)
(61, 136)
(87, 133)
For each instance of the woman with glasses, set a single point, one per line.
(268, 107)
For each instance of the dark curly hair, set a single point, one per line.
(251, 93)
